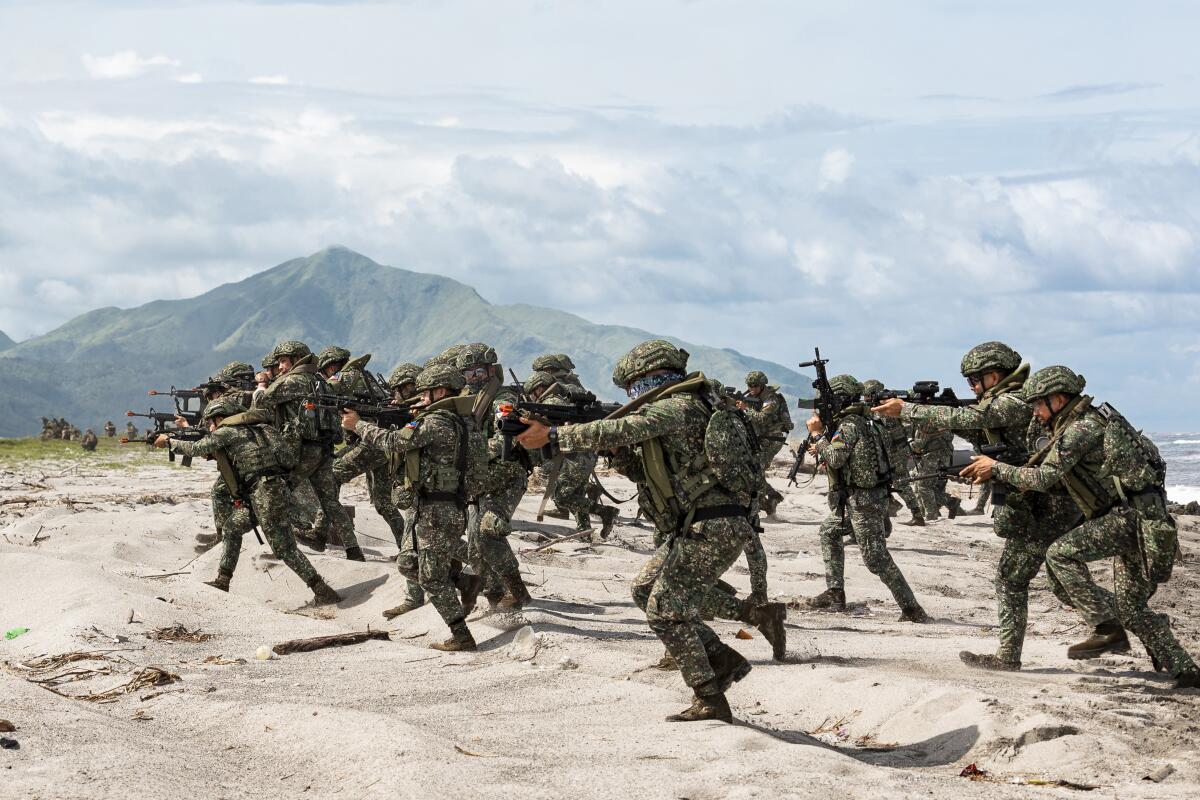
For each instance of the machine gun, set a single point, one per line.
(927, 393)
(508, 418)
(164, 422)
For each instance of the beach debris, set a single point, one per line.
(743, 634)
(525, 644)
(9, 744)
(221, 661)
(178, 633)
(14, 633)
(263, 653)
(1157, 776)
(6, 726)
(145, 678)
(320, 642)
(566, 662)
(973, 772)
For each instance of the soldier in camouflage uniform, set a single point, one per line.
(856, 462)
(705, 527)
(131, 431)
(314, 436)
(507, 481)
(110, 430)
(895, 441)
(772, 421)
(571, 489)
(430, 449)
(1027, 521)
(1117, 485)
(223, 384)
(932, 451)
(252, 455)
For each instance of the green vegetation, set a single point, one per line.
(110, 454)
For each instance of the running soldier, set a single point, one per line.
(772, 422)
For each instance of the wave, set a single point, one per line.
(1183, 493)
(1186, 441)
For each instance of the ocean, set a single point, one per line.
(1182, 454)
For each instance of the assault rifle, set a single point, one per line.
(926, 393)
(736, 396)
(801, 454)
(164, 422)
(367, 407)
(508, 418)
(959, 460)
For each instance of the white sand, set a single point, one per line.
(868, 707)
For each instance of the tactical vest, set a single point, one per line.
(465, 479)
(870, 459)
(1010, 384)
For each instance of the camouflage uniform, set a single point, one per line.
(858, 499)
(255, 458)
(1027, 521)
(1074, 460)
(89, 441)
(772, 421)
(110, 430)
(285, 399)
(434, 477)
(219, 494)
(895, 443)
(560, 366)
(932, 451)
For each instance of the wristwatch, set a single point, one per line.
(553, 435)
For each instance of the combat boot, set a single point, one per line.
(355, 553)
(710, 703)
(914, 613)
(221, 581)
(667, 663)
(323, 594)
(460, 640)
(468, 586)
(1109, 637)
(1187, 680)
(832, 599)
(312, 540)
(768, 618)
(894, 507)
(608, 518)
(917, 521)
(515, 597)
(994, 663)
(953, 507)
(728, 665)
(402, 609)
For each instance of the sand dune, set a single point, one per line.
(865, 706)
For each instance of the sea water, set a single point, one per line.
(1181, 451)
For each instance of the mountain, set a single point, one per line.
(101, 363)
(5, 342)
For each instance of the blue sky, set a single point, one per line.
(891, 181)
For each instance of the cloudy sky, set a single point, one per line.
(891, 181)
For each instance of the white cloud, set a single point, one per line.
(270, 80)
(124, 64)
(190, 77)
(834, 168)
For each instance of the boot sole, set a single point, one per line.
(1096, 652)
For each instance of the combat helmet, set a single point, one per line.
(225, 406)
(872, 388)
(1053, 380)
(553, 362)
(648, 357)
(989, 356)
(756, 378)
(474, 355)
(440, 375)
(233, 370)
(290, 349)
(846, 386)
(269, 360)
(402, 374)
(538, 380)
(332, 355)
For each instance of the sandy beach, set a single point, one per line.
(96, 560)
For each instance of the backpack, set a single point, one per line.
(733, 451)
(472, 459)
(1139, 472)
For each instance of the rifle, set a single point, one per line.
(164, 423)
(799, 462)
(367, 407)
(958, 461)
(926, 393)
(736, 396)
(508, 418)
(825, 403)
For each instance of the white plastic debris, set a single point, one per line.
(525, 644)
(263, 653)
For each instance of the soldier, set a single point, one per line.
(89, 441)
(772, 422)
(932, 451)
(570, 487)
(315, 431)
(402, 382)
(507, 481)
(858, 470)
(895, 442)
(560, 367)
(252, 456)
(1027, 521)
(110, 430)
(1115, 476)
(131, 431)
(660, 444)
(431, 448)
(229, 382)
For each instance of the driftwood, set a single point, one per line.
(559, 540)
(321, 642)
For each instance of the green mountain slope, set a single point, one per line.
(101, 363)
(5, 342)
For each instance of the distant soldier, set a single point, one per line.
(47, 429)
(895, 441)
(252, 457)
(131, 431)
(560, 366)
(772, 421)
(89, 441)
(932, 450)
(110, 430)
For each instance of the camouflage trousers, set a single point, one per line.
(864, 514)
(571, 490)
(489, 551)
(898, 461)
(932, 493)
(439, 529)
(269, 500)
(316, 470)
(767, 451)
(723, 602)
(1115, 535)
(674, 583)
(361, 458)
(1028, 523)
(222, 504)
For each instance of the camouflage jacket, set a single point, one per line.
(572, 388)
(924, 441)
(285, 398)
(247, 447)
(1003, 419)
(895, 435)
(850, 454)
(772, 418)
(426, 453)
